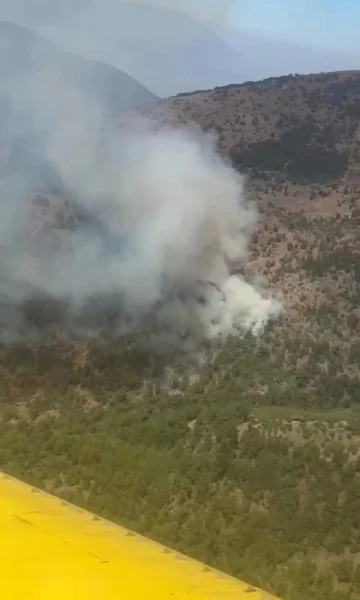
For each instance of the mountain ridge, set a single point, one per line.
(257, 121)
(169, 50)
(24, 52)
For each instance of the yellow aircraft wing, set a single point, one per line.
(52, 550)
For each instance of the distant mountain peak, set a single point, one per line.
(108, 84)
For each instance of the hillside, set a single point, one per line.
(263, 125)
(248, 458)
(297, 138)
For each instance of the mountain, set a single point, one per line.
(28, 59)
(168, 50)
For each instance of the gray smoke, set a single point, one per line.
(162, 219)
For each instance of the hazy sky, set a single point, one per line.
(329, 22)
(332, 23)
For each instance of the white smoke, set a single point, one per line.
(173, 216)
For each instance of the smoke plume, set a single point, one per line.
(132, 226)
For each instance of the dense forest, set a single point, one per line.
(248, 468)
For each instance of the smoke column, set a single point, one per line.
(167, 219)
